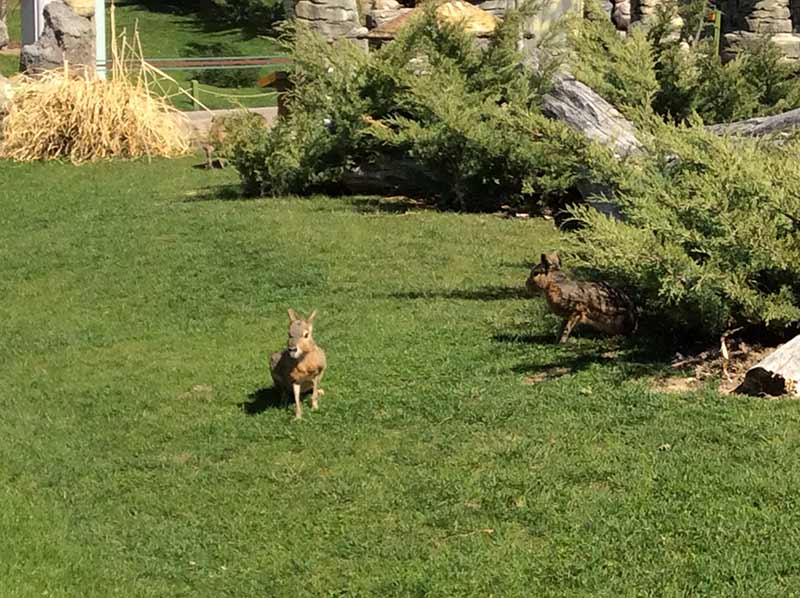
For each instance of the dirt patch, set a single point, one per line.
(711, 366)
(202, 392)
(544, 376)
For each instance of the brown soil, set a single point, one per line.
(711, 366)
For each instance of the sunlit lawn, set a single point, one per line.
(141, 453)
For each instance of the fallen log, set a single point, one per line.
(760, 126)
(777, 374)
(389, 175)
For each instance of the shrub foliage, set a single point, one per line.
(711, 237)
(711, 233)
(469, 117)
(668, 69)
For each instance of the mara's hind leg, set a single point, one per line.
(316, 391)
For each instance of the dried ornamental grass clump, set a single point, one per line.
(59, 115)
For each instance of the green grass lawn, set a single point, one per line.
(140, 454)
(14, 21)
(9, 64)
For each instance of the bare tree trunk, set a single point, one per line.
(777, 374)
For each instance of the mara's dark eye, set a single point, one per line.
(305, 335)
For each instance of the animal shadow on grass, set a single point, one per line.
(634, 357)
(387, 205)
(262, 399)
(217, 193)
(488, 293)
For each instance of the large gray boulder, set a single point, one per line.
(66, 36)
(621, 14)
(3, 34)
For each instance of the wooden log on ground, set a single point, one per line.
(389, 175)
(777, 374)
(763, 125)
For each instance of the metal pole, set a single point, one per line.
(195, 94)
(717, 29)
(100, 37)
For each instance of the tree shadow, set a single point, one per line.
(526, 265)
(387, 205)
(231, 192)
(262, 399)
(212, 18)
(634, 357)
(488, 293)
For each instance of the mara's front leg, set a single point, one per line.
(316, 391)
(298, 408)
(568, 326)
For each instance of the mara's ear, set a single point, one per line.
(313, 315)
(293, 315)
(551, 260)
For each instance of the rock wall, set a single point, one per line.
(744, 20)
(66, 36)
(496, 7)
(330, 18)
(379, 12)
(752, 19)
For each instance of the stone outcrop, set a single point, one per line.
(330, 18)
(383, 11)
(621, 14)
(495, 7)
(66, 36)
(744, 21)
(778, 19)
(83, 8)
(767, 16)
(644, 9)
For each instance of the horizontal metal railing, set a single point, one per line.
(207, 63)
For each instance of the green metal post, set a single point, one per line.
(717, 29)
(195, 94)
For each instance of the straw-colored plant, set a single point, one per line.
(73, 116)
